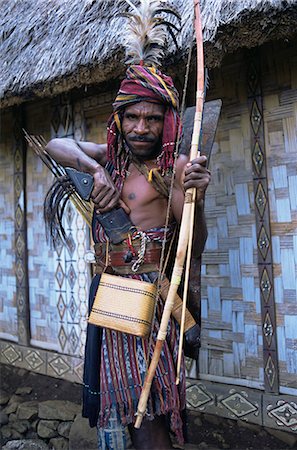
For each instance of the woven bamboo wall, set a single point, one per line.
(231, 311)
(43, 310)
(231, 316)
(8, 310)
(280, 115)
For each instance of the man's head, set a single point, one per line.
(157, 96)
(142, 128)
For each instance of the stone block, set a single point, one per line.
(64, 429)
(23, 390)
(26, 444)
(82, 436)
(11, 407)
(58, 409)
(20, 425)
(59, 443)
(47, 429)
(10, 433)
(28, 410)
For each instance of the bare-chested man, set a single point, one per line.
(111, 390)
(142, 128)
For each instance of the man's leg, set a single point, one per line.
(113, 436)
(152, 435)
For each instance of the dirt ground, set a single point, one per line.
(43, 387)
(208, 432)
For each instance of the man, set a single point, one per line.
(142, 134)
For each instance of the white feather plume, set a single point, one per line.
(147, 31)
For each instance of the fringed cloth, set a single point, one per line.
(121, 360)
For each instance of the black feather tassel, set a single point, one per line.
(54, 206)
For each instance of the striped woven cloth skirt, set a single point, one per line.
(124, 360)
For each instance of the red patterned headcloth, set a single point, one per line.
(144, 84)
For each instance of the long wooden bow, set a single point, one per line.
(186, 227)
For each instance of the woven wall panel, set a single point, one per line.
(280, 108)
(43, 313)
(8, 309)
(71, 273)
(230, 260)
(231, 316)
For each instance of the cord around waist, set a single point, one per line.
(122, 257)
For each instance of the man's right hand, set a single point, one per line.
(105, 195)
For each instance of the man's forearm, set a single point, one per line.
(85, 157)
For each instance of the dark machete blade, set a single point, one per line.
(210, 118)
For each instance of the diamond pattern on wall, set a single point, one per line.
(34, 360)
(265, 285)
(61, 307)
(285, 413)
(79, 370)
(70, 244)
(60, 275)
(71, 276)
(19, 216)
(18, 186)
(260, 199)
(72, 307)
(18, 161)
(59, 366)
(270, 371)
(73, 340)
(268, 329)
(238, 405)
(256, 117)
(11, 354)
(20, 244)
(62, 337)
(20, 271)
(258, 158)
(263, 242)
(58, 245)
(196, 396)
(263, 218)
(21, 301)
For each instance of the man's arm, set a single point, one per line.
(192, 174)
(82, 156)
(90, 158)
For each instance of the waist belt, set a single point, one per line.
(121, 258)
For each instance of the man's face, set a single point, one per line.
(142, 127)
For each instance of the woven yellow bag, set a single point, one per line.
(124, 304)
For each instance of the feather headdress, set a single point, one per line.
(147, 32)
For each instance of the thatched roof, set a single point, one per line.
(52, 46)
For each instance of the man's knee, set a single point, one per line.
(152, 435)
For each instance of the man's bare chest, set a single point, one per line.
(137, 191)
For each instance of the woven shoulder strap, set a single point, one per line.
(154, 177)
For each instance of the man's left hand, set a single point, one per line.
(197, 176)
